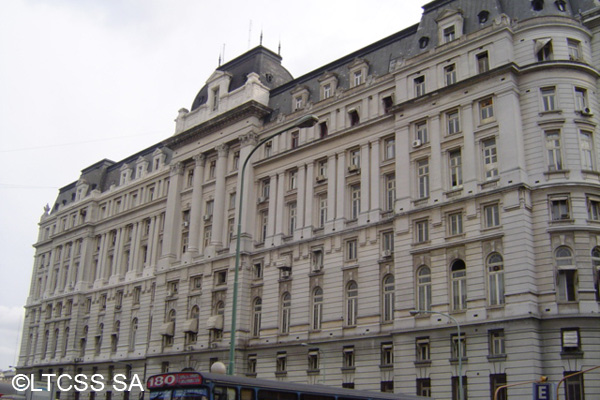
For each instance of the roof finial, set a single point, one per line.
(219, 59)
(261, 35)
(279, 48)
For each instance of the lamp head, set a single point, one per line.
(306, 122)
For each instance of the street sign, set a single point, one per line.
(543, 391)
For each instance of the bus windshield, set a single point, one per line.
(180, 394)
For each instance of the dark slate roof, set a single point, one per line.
(260, 60)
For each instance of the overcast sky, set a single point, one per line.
(84, 80)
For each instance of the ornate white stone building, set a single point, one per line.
(454, 169)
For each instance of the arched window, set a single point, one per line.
(114, 338)
(99, 338)
(55, 342)
(388, 298)
(351, 303)
(424, 288)
(195, 312)
(286, 309)
(133, 334)
(45, 344)
(317, 308)
(256, 316)
(495, 271)
(83, 341)
(596, 271)
(566, 276)
(219, 308)
(458, 276)
(65, 342)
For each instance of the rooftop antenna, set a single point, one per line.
(223, 54)
(249, 33)
(219, 59)
(261, 35)
(279, 48)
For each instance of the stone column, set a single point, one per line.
(279, 209)
(172, 217)
(271, 211)
(300, 202)
(467, 153)
(196, 207)
(309, 201)
(403, 169)
(220, 202)
(331, 193)
(340, 218)
(365, 187)
(375, 182)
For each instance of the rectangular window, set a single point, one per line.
(264, 219)
(422, 231)
(490, 158)
(322, 170)
(317, 260)
(295, 140)
(326, 91)
(349, 357)
(455, 161)
(137, 291)
(543, 49)
(581, 101)
(450, 74)
(354, 201)
(449, 34)
(322, 210)
(354, 159)
(497, 380)
(491, 216)
(559, 208)
(483, 62)
(455, 225)
(389, 148)
(390, 191)
(486, 110)
(456, 343)
(298, 102)
(293, 180)
(292, 214)
(387, 242)
(281, 363)
(251, 364)
(387, 354)
(421, 133)
(553, 150)
(548, 98)
(566, 285)
(216, 97)
(268, 149)
(593, 209)
(587, 150)
(452, 122)
(351, 250)
(424, 387)
(419, 83)
(574, 47)
(570, 340)
(313, 360)
(574, 389)
(423, 349)
(496, 342)
(358, 78)
(423, 178)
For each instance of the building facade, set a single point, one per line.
(454, 169)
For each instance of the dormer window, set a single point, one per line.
(328, 84)
(326, 91)
(483, 16)
(298, 103)
(299, 98)
(449, 34)
(215, 99)
(358, 72)
(543, 49)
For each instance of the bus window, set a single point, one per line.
(247, 394)
(274, 395)
(224, 393)
(315, 397)
(161, 395)
(190, 394)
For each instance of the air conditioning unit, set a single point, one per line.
(353, 168)
(386, 253)
(207, 217)
(321, 178)
(417, 143)
(586, 112)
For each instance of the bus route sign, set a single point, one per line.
(177, 379)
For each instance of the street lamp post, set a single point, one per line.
(304, 122)
(461, 395)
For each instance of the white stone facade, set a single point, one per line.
(455, 168)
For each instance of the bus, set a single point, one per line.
(215, 386)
